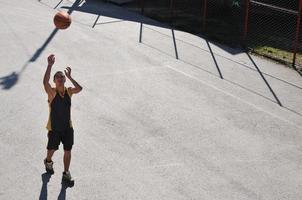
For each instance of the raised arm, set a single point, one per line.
(77, 88)
(47, 86)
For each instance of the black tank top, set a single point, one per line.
(60, 111)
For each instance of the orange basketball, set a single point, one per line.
(62, 20)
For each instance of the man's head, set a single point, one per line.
(59, 78)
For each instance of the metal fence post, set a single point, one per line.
(142, 7)
(246, 21)
(171, 11)
(296, 40)
(205, 10)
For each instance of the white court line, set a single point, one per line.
(229, 94)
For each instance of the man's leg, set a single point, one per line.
(48, 162)
(50, 154)
(66, 159)
(52, 146)
(66, 176)
(67, 140)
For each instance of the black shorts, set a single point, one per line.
(55, 137)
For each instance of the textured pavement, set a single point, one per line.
(147, 126)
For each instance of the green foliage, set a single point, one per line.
(236, 3)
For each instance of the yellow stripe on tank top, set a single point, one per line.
(48, 126)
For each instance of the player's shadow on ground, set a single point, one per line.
(45, 179)
(62, 195)
(64, 186)
(43, 193)
(7, 82)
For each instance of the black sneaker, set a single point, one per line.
(48, 166)
(66, 178)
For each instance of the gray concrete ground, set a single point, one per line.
(147, 126)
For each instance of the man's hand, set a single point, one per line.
(68, 72)
(77, 88)
(51, 60)
(47, 86)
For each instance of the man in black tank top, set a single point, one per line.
(59, 124)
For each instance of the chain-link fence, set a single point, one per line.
(224, 21)
(271, 28)
(158, 10)
(186, 15)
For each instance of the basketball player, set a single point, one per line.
(59, 124)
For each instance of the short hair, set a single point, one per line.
(56, 74)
